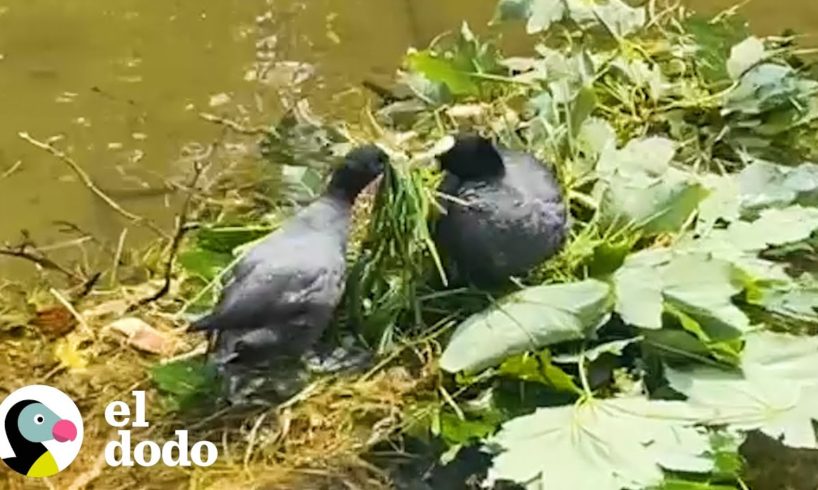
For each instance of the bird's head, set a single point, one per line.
(472, 157)
(361, 166)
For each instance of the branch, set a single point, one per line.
(89, 183)
(176, 241)
(38, 258)
(237, 127)
(11, 169)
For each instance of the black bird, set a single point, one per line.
(505, 214)
(281, 296)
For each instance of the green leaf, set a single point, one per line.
(639, 187)
(204, 263)
(702, 287)
(764, 184)
(456, 431)
(618, 18)
(662, 205)
(638, 287)
(543, 13)
(766, 87)
(744, 56)
(615, 348)
(595, 137)
(226, 239)
(673, 484)
(777, 392)
(696, 284)
(649, 157)
(600, 445)
(678, 345)
(538, 369)
(185, 384)
(438, 69)
(527, 320)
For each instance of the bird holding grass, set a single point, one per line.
(281, 295)
(504, 214)
(28, 425)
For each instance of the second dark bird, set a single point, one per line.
(505, 214)
(281, 296)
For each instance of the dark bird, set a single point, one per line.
(281, 295)
(504, 215)
(28, 425)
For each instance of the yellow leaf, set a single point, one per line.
(67, 352)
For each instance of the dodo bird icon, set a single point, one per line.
(39, 442)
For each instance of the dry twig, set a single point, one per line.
(89, 183)
(181, 228)
(237, 127)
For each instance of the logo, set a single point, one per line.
(40, 431)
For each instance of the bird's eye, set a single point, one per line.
(39, 419)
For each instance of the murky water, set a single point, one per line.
(121, 82)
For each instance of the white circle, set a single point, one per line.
(58, 402)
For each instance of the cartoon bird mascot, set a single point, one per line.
(28, 424)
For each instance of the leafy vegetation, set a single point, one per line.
(683, 145)
(641, 355)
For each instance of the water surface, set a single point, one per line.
(120, 83)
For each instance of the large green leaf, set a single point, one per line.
(662, 205)
(696, 284)
(764, 184)
(777, 391)
(703, 287)
(543, 13)
(744, 56)
(639, 188)
(439, 69)
(527, 320)
(600, 445)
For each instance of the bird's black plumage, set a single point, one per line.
(26, 452)
(281, 296)
(507, 214)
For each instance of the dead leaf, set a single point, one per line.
(142, 336)
(56, 321)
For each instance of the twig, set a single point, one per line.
(118, 256)
(11, 170)
(251, 438)
(181, 228)
(68, 306)
(41, 260)
(86, 287)
(237, 127)
(89, 183)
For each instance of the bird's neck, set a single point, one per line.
(341, 195)
(327, 212)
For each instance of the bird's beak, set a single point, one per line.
(64, 430)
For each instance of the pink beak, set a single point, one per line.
(64, 430)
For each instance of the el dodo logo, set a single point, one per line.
(40, 431)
